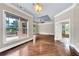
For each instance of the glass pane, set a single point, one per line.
(65, 30)
(11, 25)
(23, 27)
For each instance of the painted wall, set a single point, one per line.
(73, 15)
(75, 27)
(16, 11)
(65, 16)
(46, 28)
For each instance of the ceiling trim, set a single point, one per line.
(66, 10)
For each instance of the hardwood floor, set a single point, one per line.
(44, 46)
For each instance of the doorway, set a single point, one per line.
(66, 35)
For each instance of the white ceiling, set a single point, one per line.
(50, 9)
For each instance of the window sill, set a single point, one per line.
(12, 38)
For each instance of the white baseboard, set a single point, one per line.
(74, 47)
(46, 33)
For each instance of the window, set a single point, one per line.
(65, 30)
(11, 25)
(23, 26)
(15, 27)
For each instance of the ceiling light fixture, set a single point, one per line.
(38, 7)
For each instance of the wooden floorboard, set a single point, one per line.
(45, 46)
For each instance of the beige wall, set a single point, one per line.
(46, 28)
(75, 27)
(18, 12)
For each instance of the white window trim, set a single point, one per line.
(15, 38)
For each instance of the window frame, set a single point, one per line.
(15, 38)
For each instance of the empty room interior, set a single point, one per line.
(39, 29)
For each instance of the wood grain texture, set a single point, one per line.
(45, 46)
